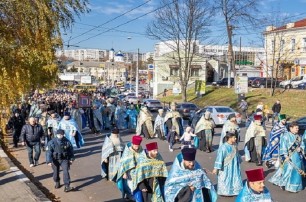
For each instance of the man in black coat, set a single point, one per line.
(60, 154)
(16, 122)
(276, 108)
(32, 135)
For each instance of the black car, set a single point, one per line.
(187, 109)
(251, 79)
(262, 82)
(196, 117)
(224, 81)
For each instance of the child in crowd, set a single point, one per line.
(172, 137)
(186, 138)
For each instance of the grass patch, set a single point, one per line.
(293, 101)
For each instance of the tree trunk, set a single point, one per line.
(184, 93)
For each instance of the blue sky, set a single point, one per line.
(131, 36)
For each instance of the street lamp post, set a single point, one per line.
(137, 73)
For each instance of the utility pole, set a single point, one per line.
(239, 53)
(229, 55)
(137, 72)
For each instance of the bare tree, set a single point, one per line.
(183, 23)
(236, 13)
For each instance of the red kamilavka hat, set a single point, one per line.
(255, 175)
(152, 146)
(257, 117)
(136, 140)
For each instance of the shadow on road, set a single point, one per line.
(90, 180)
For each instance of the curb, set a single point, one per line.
(40, 196)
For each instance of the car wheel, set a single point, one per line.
(288, 86)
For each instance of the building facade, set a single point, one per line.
(286, 49)
(84, 54)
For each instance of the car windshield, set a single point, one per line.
(224, 110)
(191, 106)
(155, 102)
(297, 78)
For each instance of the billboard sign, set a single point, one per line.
(200, 87)
(241, 84)
(150, 67)
(85, 79)
(64, 77)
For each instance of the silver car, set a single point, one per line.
(153, 105)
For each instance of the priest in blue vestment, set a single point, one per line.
(188, 181)
(254, 189)
(126, 172)
(112, 149)
(72, 131)
(150, 175)
(271, 154)
(227, 167)
(292, 150)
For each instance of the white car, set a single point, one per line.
(220, 113)
(294, 82)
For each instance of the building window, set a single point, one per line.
(273, 45)
(304, 44)
(282, 44)
(174, 70)
(292, 45)
(195, 72)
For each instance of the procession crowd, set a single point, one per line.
(140, 172)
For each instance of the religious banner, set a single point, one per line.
(83, 100)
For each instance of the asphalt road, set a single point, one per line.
(85, 172)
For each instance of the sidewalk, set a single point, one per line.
(15, 186)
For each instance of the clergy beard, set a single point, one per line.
(115, 140)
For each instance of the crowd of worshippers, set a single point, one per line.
(283, 149)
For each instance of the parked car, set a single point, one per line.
(153, 105)
(302, 125)
(196, 117)
(263, 82)
(302, 86)
(132, 99)
(251, 79)
(224, 81)
(219, 114)
(187, 109)
(294, 82)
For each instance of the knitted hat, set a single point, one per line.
(60, 132)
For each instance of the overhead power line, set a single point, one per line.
(96, 27)
(126, 22)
